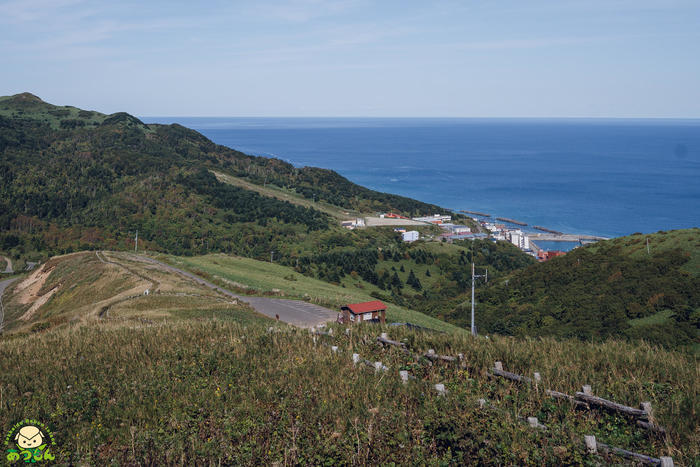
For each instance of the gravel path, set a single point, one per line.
(8, 267)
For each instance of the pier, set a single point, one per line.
(512, 221)
(476, 213)
(544, 229)
(550, 237)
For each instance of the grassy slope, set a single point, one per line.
(263, 276)
(27, 105)
(282, 194)
(635, 246)
(568, 295)
(198, 390)
(82, 288)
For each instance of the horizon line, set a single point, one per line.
(418, 117)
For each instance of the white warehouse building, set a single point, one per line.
(410, 236)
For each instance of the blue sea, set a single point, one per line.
(584, 176)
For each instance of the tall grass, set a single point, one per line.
(192, 391)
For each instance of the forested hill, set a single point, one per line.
(641, 286)
(74, 179)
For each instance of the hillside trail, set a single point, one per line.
(8, 267)
(295, 312)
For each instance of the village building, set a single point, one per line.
(410, 236)
(366, 311)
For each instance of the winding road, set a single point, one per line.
(294, 312)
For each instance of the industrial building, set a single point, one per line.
(410, 236)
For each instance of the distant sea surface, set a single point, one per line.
(597, 177)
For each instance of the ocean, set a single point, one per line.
(582, 176)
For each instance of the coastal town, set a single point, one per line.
(506, 230)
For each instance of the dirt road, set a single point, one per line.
(294, 312)
(8, 267)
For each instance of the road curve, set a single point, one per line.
(8, 267)
(295, 312)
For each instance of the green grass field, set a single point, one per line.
(232, 271)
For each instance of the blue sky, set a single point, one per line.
(470, 58)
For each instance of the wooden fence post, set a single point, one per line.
(355, 358)
(498, 366)
(666, 461)
(334, 348)
(587, 390)
(440, 388)
(591, 445)
(404, 376)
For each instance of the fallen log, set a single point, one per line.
(401, 345)
(434, 356)
(643, 458)
(610, 405)
(385, 340)
(511, 376)
(561, 395)
(651, 427)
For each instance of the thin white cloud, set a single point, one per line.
(301, 11)
(22, 11)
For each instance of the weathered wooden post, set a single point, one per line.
(538, 377)
(646, 407)
(440, 388)
(334, 348)
(385, 335)
(532, 421)
(482, 403)
(378, 367)
(666, 461)
(347, 331)
(587, 390)
(355, 358)
(431, 352)
(330, 331)
(498, 366)
(404, 376)
(591, 445)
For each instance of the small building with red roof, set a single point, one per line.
(365, 311)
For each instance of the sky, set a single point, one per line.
(388, 58)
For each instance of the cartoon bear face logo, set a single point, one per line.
(29, 437)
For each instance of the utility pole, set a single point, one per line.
(136, 243)
(476, 276)
(648, 246)
(272, 253)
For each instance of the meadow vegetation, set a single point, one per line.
(612, 288)
(200, 389)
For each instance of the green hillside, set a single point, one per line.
(75, 179)
(610, 289)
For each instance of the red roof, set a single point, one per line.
(366, 307)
